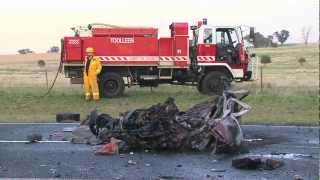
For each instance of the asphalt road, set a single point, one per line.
(297, 147)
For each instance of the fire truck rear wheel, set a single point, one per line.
(111, 85)
(214, 83)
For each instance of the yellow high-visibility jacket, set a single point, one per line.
(94, 67)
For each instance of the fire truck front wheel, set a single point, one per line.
(111, 85)
(214, 83)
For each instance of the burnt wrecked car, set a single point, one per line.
(209, 126)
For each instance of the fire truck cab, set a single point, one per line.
(209, 57)
(220, 50)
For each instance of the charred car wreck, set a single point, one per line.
(208, 126)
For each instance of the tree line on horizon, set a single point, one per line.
(52, 49)
(281, 36)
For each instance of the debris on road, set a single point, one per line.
(119, 177)
(218, 170)
(82, 135)
(110, 148)
(57, 136)
(54, 173)
(272, 164)
(131, 162)
(297, 177)
(281, 155)
(33, 138)
(247, 163)
(256, 163)
(212, 125)
(170, 177)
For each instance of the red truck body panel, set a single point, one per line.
(206, 53)
(132, 46)
(72, 49)
(142, 32)
(178, 29)
(166, 47)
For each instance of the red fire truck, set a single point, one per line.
(211, 59)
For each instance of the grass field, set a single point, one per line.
(290, 95)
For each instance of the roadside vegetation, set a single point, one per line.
(290, 94)
(280, 106)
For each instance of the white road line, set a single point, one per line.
(6, 141)
(279, 126)
(307, 146)
(37, 123)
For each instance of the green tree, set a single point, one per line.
(259, 40)
(270, 38)
(282, 36)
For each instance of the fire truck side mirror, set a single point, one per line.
(251, 35)
(89, 26)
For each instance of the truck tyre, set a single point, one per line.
(214, 83)
(111, 85)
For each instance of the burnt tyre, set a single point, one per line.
(214, 83)
(111, 85)
(67, 117)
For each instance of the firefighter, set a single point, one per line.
(92, 67)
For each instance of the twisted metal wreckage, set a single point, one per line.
(209, 126)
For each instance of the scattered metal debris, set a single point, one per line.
(120, 177)
(253, 140)
(131, 162)
(297, 177)
(82, 135)
(256, 163)
(212, 125)
(218, 170)
(110, 148)
(276, 155)
(54, 173)
(57, 136)
(33, 138)
(272, 164)
(170, 177)
(247, 163)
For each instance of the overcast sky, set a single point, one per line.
(39, 24)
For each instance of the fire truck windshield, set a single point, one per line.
(227, 36)
(234, 37)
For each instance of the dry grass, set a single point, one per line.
(285, 71)
(23, 70)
